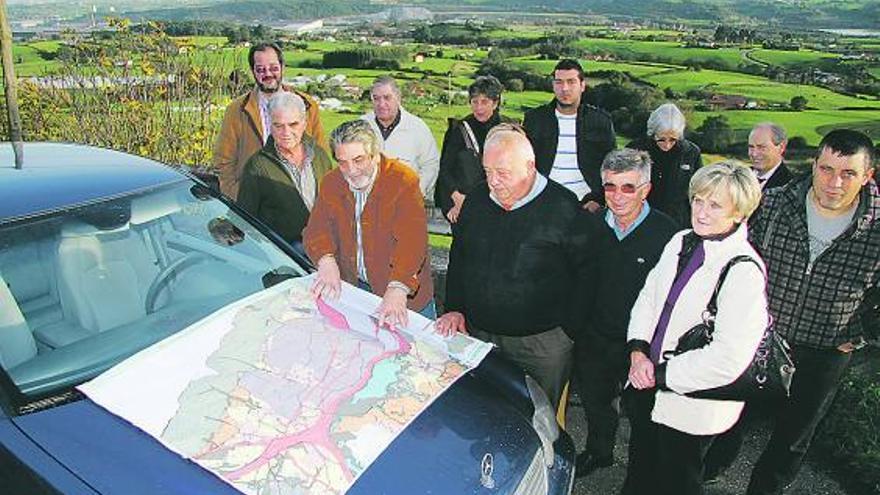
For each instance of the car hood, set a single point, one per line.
(484, 412)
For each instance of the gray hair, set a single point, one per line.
(356, 131)
(386, 81)
(284, 100)
(733, 176)
(511, 135)
(667, 117)
(625, 160)
(777, 133)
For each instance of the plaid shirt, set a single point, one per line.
(819, 305)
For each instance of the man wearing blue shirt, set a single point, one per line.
(631, 238)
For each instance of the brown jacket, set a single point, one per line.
(395, 231)
(241, 135)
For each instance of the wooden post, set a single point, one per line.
(9, 85)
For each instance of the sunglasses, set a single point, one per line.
(624, 188)
(670, 140)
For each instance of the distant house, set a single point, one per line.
(726, 102)
(420, 57)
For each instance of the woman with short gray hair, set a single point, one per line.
(675, 160)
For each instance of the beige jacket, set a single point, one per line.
(241, 136)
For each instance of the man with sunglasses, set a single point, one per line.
(247, 122)
(630, 240)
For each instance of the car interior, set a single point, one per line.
(83, 289)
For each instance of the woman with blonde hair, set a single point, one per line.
(673, 300)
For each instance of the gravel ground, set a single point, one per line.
(811, 480)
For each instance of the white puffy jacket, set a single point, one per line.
(739, 325)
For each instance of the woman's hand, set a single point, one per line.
(641, 371)
(457, 201)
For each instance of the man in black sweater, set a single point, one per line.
(519, 247)
(631, 238)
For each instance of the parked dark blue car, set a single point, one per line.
(103, 254)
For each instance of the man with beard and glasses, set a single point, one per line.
(570, 137)
(247, 121)
(369, 228)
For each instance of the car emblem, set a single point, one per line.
(486, 469)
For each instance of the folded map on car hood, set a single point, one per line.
(280, 393)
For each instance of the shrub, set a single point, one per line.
(851, 433)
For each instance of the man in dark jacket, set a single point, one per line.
(820, 239)
(514, 262)
(630, 238)
(767, 143)
(280, 182)
(570, 137)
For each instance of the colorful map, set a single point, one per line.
(283, 394)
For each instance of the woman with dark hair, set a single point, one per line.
(460, 161)
(674, 159)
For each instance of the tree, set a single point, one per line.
(798, 103)
(715, 134)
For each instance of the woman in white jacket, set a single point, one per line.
(674, 297)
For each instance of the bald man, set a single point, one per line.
(515, 262)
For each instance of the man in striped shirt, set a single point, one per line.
(570, 137)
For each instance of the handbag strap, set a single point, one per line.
(470, 139)
(712, 306)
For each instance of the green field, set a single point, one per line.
(636, 69)
(810, 124)
(756, 87)
(664, 51)
(791, 58)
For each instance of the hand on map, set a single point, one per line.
(327, 283)
(641, 371)
(450, 323)
(392, 310)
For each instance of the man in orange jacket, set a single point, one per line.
(246, 122)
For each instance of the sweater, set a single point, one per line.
(512, 272)
(621, 267)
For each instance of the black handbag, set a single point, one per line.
(770, 373)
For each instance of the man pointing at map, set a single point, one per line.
(368, 227)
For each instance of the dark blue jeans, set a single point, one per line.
(815, 384)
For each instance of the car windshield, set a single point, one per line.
(82, 289)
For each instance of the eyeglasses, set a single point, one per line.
(670, 140)
(624, 188)
(260, 69)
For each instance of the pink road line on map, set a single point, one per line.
(318, 434)
(334, 317)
